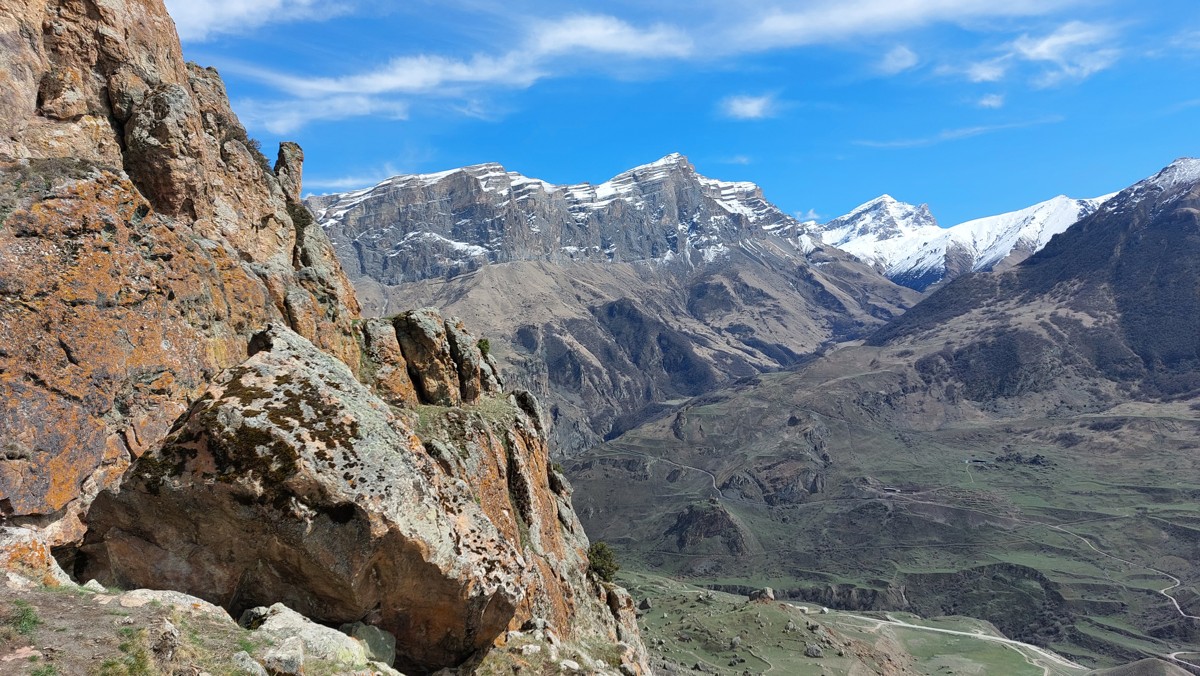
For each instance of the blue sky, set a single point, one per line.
(972, 106)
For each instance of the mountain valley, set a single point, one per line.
(1019, 447)
(608, 300)
(473, 423)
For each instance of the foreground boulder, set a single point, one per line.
(289, 481)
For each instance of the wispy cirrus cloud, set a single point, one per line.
(742, 160)
(384, 89)
(991, 70)
(743, 107)
(287, 116)
(1072, 52)
(532, 48)
(898, 60)
(608, 35)
(957, 134)
(991, 101)
(199, 20)
(1182, 106)
(829, 21)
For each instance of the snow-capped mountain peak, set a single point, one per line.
(882, 218)
(456, 220)
(905, 242)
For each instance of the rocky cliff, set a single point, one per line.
(179, 339)
(608, 300)
(145, 239)
(414, 227)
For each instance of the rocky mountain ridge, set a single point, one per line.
(908, 245)
(419, 226)
(607, 300)
(185, 372)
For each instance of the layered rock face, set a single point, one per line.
(608, 300)
(179, 339)
(415, 227)
(144, 240)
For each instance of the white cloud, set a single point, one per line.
(992, 70)
(608, 35)
(1182, 106)
(898, 60)
(957, 134)
(404, 75)
(532, 49)
(285, 117)
(198, 20)
(749, 107)
(436, 76)
(1074, 51)
(826, 21)
(810, 216)
(991, 101)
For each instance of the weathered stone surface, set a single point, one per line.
(280, 622)
(243, 661)
(499, 449)
(379, 645)
(185, 603)
(348, 516)
(426, 347)
(392, 381)
(289, 168)
(766, 594)
(286, 659)
(144, 243)
(25, 559)
(142, 284)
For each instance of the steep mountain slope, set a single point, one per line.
(188, 391)
(906, 243)
(607, 300)
(1019, 447)
(416, 227)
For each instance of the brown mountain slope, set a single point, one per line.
(604, 344)
(1019, 447)
(608, 300)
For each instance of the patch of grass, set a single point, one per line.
(135, 659)
(22, 618)
(45, 670)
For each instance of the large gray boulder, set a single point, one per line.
(289, 481)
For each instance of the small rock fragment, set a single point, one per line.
(287, 659)
(246, 664)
